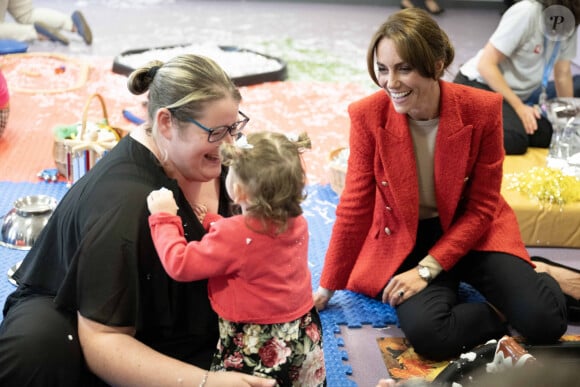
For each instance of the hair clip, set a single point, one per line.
(292, 137)
(242, 143)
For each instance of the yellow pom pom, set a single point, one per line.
(545, 185)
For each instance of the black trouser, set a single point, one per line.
(39, 346)
(439, 327)
(515, 139)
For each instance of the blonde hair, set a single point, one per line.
(184, 85)
(419, 41)
(271, 171)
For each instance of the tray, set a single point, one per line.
(245, 80)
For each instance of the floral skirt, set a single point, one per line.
(289, 352)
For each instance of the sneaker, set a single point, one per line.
(50, 33)
(82, 27)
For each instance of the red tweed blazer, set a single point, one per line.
(378, 213)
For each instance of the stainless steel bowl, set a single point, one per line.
(24, 222)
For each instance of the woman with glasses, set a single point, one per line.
(256, 263)
(94, 305)
(421, 209)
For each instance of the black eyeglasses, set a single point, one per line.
(216, 134)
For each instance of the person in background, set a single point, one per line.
(431, 6)
(257, 262)
(33, 23)
(4, 103)
(518, 62)
(422, 210)
(506, 5)
(93, 305)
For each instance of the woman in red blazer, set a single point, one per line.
(421, 209)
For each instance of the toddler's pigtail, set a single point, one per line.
(302, 141)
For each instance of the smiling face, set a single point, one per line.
(410, 92)
(191, 155)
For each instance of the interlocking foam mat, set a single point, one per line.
(346, 308)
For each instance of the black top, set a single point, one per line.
(96, 256)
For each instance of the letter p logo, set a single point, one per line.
(558, 22)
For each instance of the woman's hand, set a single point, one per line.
(162, 200)
(403, 286)
(236, 379)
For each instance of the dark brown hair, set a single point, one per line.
(419, 40)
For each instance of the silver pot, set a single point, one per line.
(24, 222)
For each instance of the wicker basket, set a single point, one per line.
(337, 172)
(59, 150)
(59, 153)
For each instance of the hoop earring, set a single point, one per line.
(165, 155)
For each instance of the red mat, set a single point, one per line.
(48, 90)
(42, 97)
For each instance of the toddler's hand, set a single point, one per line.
(162, 201)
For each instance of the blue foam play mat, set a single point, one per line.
(10, 46)
(345, 309)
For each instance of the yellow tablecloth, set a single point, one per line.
(540, 224)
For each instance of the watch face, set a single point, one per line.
(425, 273)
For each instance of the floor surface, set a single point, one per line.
(343, 29)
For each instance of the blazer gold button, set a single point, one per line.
(384, 183)
(466, 178)
(387, 231)
(388, 208)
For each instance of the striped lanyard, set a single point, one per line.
(549, 65)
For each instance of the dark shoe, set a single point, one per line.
(406, 4)
(433, 8)
(50, 33)
(572, 304)
(82, 27)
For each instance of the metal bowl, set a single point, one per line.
(24, 222)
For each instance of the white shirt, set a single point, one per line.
(520, 38)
